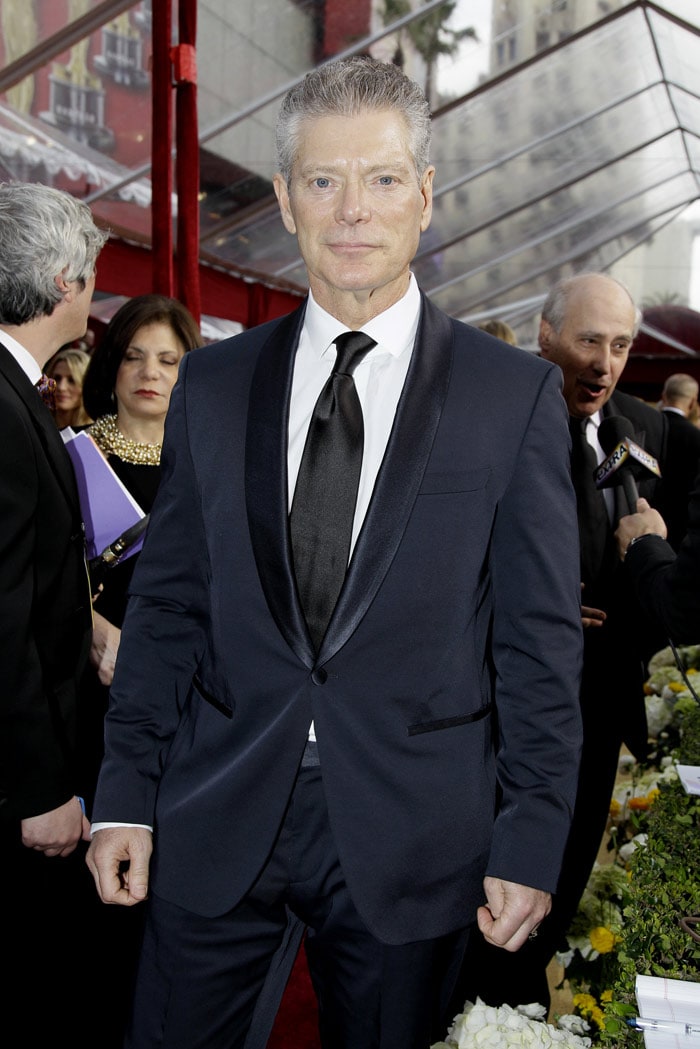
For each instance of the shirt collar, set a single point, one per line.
(394, 330)
(23, 357)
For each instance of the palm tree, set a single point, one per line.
(430, 35)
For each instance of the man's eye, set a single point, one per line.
(386, 180)
(322, 183)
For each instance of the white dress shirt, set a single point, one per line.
(592, 438)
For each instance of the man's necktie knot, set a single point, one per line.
(352, 346)
(47, 390)
(323, 508)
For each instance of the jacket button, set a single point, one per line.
(319, 676)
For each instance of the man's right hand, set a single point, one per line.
(55, 833)
(591, 617)
(118, 859)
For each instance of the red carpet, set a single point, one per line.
(296, 1026)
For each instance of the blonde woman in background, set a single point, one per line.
(500, 329)
(68, 368)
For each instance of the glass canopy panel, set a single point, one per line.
(522, 310)
(678, 50)
(687, 107)
(489, 275)
(563, 159)
(587, 75)
(263, 244)
(530, 222)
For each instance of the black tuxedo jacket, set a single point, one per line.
(668, 585)
(681, 466)
(451, 661)
(45, 612)
(616, 653)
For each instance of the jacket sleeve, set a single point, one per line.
(537, 645)
(668, 586)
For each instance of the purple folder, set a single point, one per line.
(107, 506)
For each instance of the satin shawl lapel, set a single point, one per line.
(399, 479)
(45, 427)
(266, 480)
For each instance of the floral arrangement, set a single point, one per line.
(501, 1027)
(627, 922)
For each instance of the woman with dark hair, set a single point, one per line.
(127, 391)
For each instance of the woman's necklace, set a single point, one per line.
(112, 442)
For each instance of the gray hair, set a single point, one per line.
(44, 233)
(554, 306)
(346, 88)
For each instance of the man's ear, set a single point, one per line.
(545, 337)
(282, 194)
(63, 286)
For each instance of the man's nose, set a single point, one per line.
(602, 360)
(353, 205)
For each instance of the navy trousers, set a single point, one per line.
(200, 979)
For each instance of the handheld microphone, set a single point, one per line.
(625, 460)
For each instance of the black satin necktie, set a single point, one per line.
(593, 521)
(323, 507)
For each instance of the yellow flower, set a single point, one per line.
(596, 1015)
(639, 804)
(615, 808)
(602, 939)
(676, 686)
(606, 996)
(589, 1009)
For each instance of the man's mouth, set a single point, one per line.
(593, 389)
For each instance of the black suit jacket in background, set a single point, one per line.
(45, 612)
(668, 585)
(681, 465)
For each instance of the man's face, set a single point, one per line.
(593, 345)
(357, 207)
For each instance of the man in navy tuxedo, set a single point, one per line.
(48, 248)
(408, 771)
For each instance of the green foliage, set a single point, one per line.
(660, 881)
(663, 888)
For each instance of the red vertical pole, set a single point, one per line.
(187, 159)
(161, 150)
